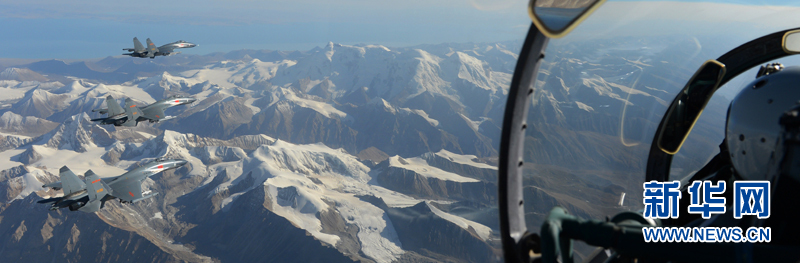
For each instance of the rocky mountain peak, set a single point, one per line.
(77, 133)
(21, 74)
(28, 125)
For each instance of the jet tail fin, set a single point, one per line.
(113, 107)
(95, 187)
(132, 111)
(151, 49)
(70, 182)
(137, 46)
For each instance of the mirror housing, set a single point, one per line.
(555, 18)
(791, 42)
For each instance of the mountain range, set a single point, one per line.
(350, 152)
(354, 152)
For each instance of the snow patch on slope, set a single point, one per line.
(378, 237)
(464, 159)
(79, 163)
(483, 231)
(29, 181)
(321, 107)
(299, 205)
(421, 167)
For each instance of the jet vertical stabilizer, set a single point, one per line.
(95, 187)
(113, 107)
(97, 190)
(137, 46)
(116, 114)
(133, 113)
(151, 49)
(70, 182)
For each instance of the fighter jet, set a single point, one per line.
(90, 194)
(151, 51)
(132, 114)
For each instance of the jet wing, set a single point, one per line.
(91, 206)
(70, 182)
(154, 112)
(166, 49)
(127, 190)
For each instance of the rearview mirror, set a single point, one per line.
(791, 42)
(556, 18)
(687, 107)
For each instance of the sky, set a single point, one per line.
(86, 29)
(80, 29)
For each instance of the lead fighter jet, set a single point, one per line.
(132, 114)
(151, 51)
(90, 194)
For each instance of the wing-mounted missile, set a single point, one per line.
(143, 198)
(101, 111)
(49, 200)
(55, 185)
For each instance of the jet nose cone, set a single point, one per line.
(192, 100)
(181, 162)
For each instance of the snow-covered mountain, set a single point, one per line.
(340, 153)
(233, 188)
(11, 123)
(363, 153)
(21, 74)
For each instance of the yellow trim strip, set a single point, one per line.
(672, 108)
